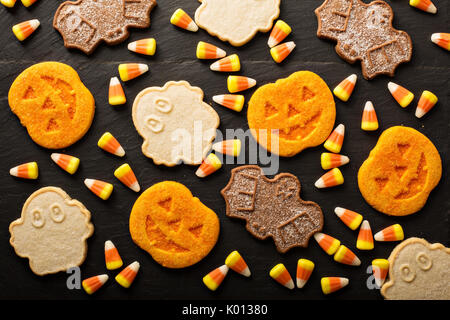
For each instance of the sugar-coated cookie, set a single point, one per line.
(400, 172)
(172, 225)
(53, 104)
(301, 107)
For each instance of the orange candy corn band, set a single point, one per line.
(442, 40)
(28, 170)
(112, 258)
(304, 270)
(426, 103)
(231, 101)
(281, 51)
(24, 29)
(110, 144)
(335, 140)
(346, 256)
(239, 83)
(365, 237)
(227, 64)
(213, 279)
(129, 71)
(116, 96)
(403, 96)
(332, 160)
(280, 274)
(424, 5)
(92, 284)
(369, 121)
(344, 90)
(183, 20)
(327, 243)
(66, 162)
(99, 188)
(143, 46)
(126, 175)
(351, 219)
(210, 164)
(236, 263)
(391, 233)
(126, 277)
(332, 178)
(332, 284)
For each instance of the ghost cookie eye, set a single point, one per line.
(56, 213)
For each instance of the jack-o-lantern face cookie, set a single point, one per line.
(400, 172)
(272, 207)
(175, 123)
(236, 21)
(418, 270)
(84, 24)
(51, 231)
(298, 111)
(53, 104)
(173, 226)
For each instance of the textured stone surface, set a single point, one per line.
(175, 60)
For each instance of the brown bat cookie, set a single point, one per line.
(272, 207)
(83, 24)
(364, 32)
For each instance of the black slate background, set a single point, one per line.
(175, 60)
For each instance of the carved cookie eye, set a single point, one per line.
(424, 261)
(38, 219)
(163, 105)
(407, 274)
(56, 213)
(154, 123)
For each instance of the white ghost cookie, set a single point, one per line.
(175, 123)
(51, 231)
(418, 270)
(236, 21)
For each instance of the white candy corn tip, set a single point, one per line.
(224, 269)
(290, 45)
(435, 37)
(114, 81)
(290, 284)
(352, 78)
(379, 236)
(103, 278)
(135, 187)
(344, 282)
(392, 86)
(251, 82)
(200, 173)
(215, 66)
(143, 68)
(218, 98)
(345, 159)
(135, 266)
(419, 113)
(120, 152)
(34, 23)
(271, 42)
(132, 46)
(356, 262)
(89, 182)
(431, 8)
(340, 129)
(300, 283)
(55, 156)
(318, 236)
(320, 183)
(109, 245)
(192, 27)
(368, 106)
(339, 211)
(220, 53)
(14, 171)
(246, 272)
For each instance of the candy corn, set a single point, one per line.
(213, 279)
(28, 3)
(129, 71)
(365, 237)
(209, 165)
(281, 51)
(108, 143)
(126, 277)
(228, 147)
(236, 263)
(181, 19)
(332, 160)
(332, 284)
(239, 83)
(400, 94)
(280, 31)
(336, 139)
(92, 284)
(66, 162)
(346, 256)
(227, 64)
(424, 5)
(332, 178)
(143, 46)
(304, 269)
(344, 90)
(26, 171)
(232, 101)
(426, 102)
(369, 120)
(24, 29)
(116, 94)
(99, 188)
(208, 51)
(280, 274)
(391, 233)
(112, 258)
(127, 177)
(351, 219)
(442, 40)
(380, 268)
(8, 3)
(327, 243)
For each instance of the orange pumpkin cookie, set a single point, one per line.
(400, 172)
(172, 225)
(301, 107)
(53, 104)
